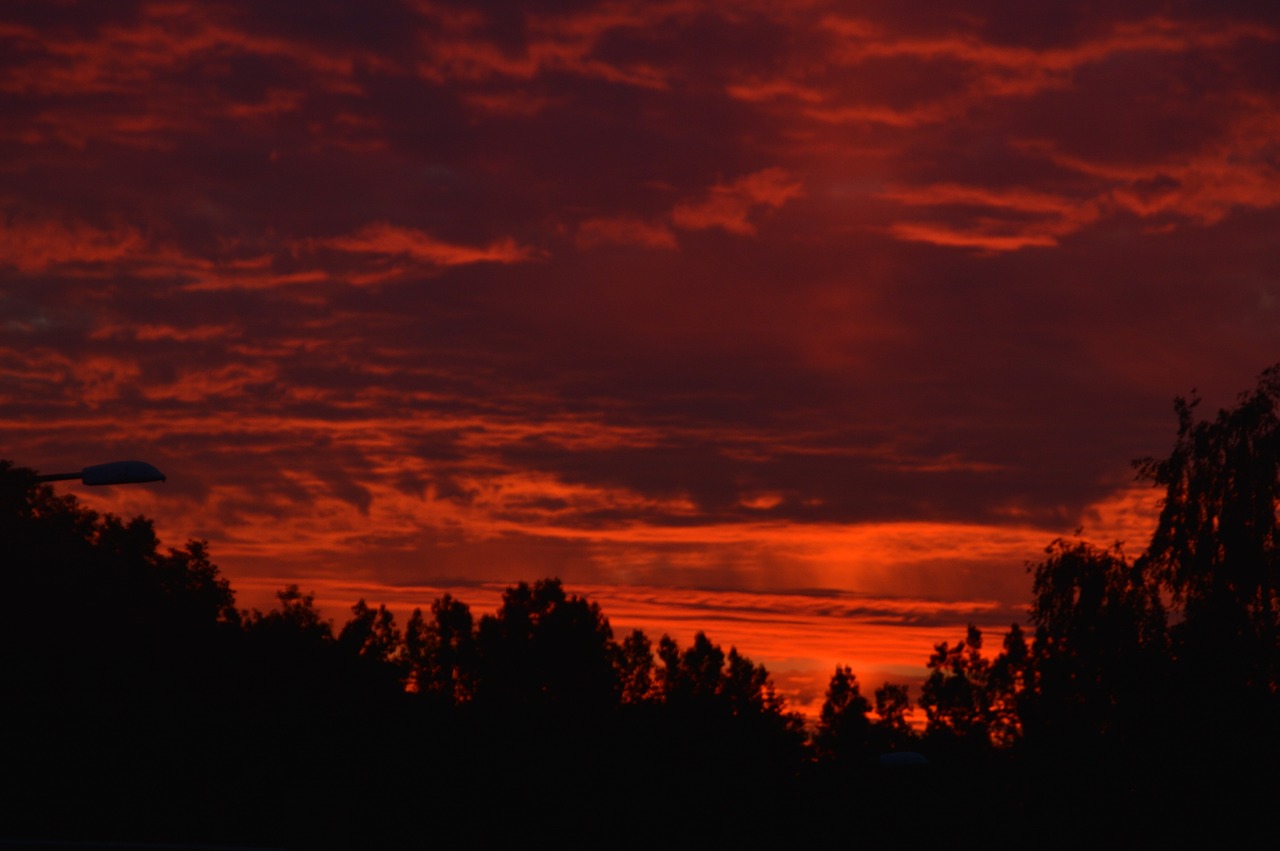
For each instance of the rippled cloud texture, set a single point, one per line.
(807, 323)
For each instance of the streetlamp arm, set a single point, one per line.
(57, 477)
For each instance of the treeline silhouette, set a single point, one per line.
(1140, 702)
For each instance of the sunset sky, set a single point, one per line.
(807, 324)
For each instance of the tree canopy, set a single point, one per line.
(132, 676)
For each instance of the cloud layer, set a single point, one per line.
(744, 297)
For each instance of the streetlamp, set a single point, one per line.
(112, 473)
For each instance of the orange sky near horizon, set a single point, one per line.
(804, 324)
(799, 634)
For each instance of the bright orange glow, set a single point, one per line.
(800, 636)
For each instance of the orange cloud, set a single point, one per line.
(145, 67)
(978, 71)
(165, 37)
(194, 385)
(155, 332)
(72, 246)
(766, 90)
(1008, 219)
(36, 245)
(91, 380)
(728, 206)
(1017, 199)
(1128, 515)
(986, 239)
(890, 116)
(563, 43)
(625, 231)
(509, 104)
(386, 239)
(1237, 169)
(1019, 71)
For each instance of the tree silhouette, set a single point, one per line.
(441, 653)
(702, 679)
(192, 584)
(1008, 683)
(1215, 549)
(954, 697)
(970, 700)
(123, 670)
(694, 674)
(634, 662)
(545, 647)
(1098, 646)
(746, 687)
(891, 728)
(844, 725)
(372, 634)
(296, 616)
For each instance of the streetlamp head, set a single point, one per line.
(120, 473)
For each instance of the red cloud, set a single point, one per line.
(978, 71)
(1009, 219)
(625, 231)
(35, 245)
(389, 240)
(458, 51)
(728, 206)
(166, 38)
(1237, 169)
